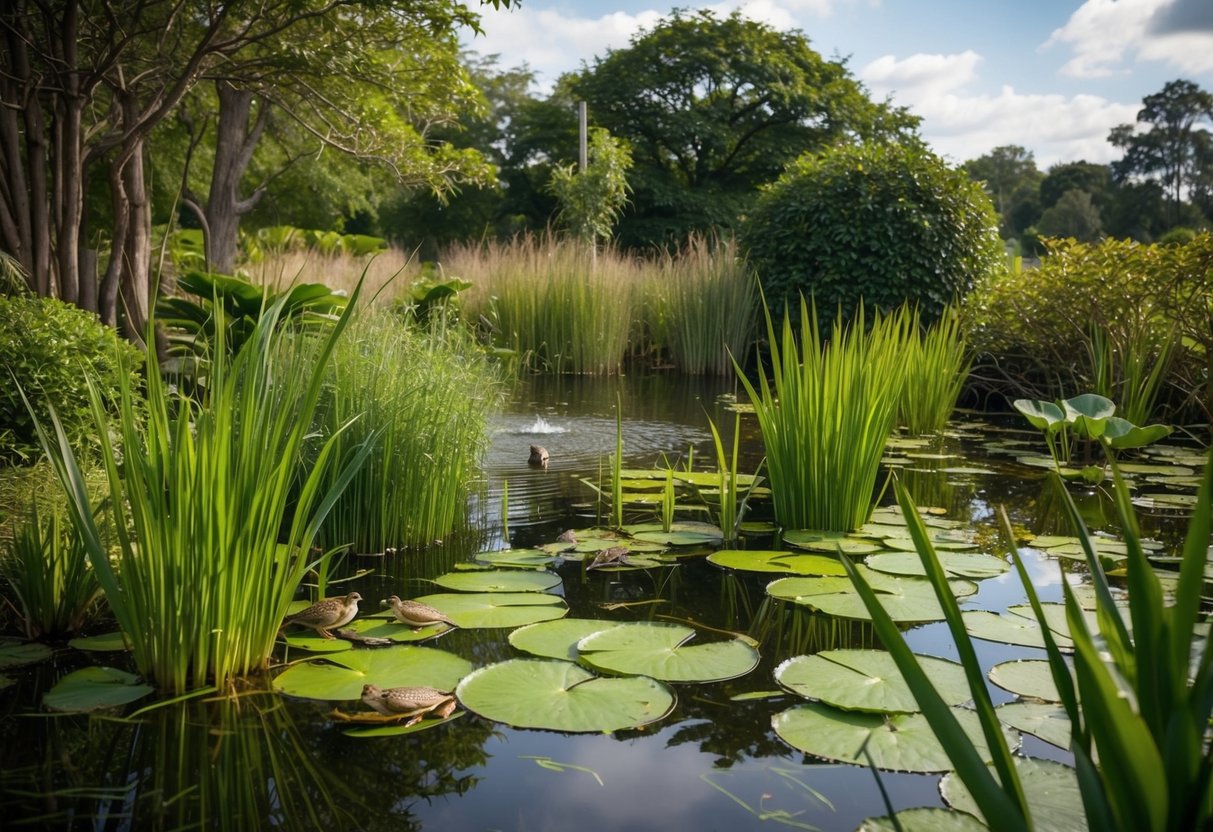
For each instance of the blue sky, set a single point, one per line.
(1051, 75)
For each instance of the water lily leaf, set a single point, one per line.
(380, 626)
(556, 639)
(497, 609)
(105, 643)
(955, 564)
(830, 542)
(562, 696)
(91, 688)
(1045, 720)
(966, 469)
(1042, 415)
(1160, 500)
(660, 651)
(1028, 677)
(309, 641)
(925, 819)
(905, 599)
(682, 533)
(1010, 629)
(868, 680)
(16, 654)
(498, 580)
(1089, 414)
(518, 557)
(342, 675)
(897, 742)
(1122, 434)
(397, 730)
(753, 560)
(1051, 790)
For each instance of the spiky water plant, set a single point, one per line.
(936, 365)
(213, 514)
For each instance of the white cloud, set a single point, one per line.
(964, 125)
(1104, 33)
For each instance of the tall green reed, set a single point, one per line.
(213, 514)
(936, 364)
(827, 413)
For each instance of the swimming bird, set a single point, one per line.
(415, 613)
(539, 457)
(326, 614)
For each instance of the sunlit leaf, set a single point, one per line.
(91, 688)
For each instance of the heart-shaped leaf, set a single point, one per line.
(868, 680)
(91, 688)
(661, 651)
(342, 675)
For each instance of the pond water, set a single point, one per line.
(262, 760)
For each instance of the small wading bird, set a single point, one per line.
(409, 701)
(614, 556)
(415, 613)
(326, 614)
(539, 457)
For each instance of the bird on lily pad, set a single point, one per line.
(326, 614)
(415, 613)
(414, 701)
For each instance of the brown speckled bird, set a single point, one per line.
(614, 556)
(539, 457)
(326, 614)
(408, 701)
(415, 613)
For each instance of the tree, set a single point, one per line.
(1175, 145)
(715, 107)
(592, 199)
(1095, 179)
(1012, 180)
(1073, 215)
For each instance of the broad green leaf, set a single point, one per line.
(1042, 415)
(342, 675)
(867, 680)
(829, 542)
(91, 688)
(955, 564)
(1089, 414)
(1045, 720)
(897, 742)
(105, 643)
(925, 819)
(497, 580)
(1010, 629)
(562, 696)
(1028, 677)
(497, 609)
(401, 729)
(556, 639)
(754, 560)
(905, 599)
(16, 655)
(522, 558)
(386, 626)
(1051, 789)
(309, 641)
(660, 651)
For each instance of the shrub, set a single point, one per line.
(877, 222)
(46, 346)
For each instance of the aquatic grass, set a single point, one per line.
(733, 499)
(936, 364)
(827, 413)
(213, 514)
(419, 398)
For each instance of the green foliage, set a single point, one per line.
(1010, 177)
(1086, 418)
(879, 223)
(1073, 215)
(50, 350)
(936, 364)
(592, 200)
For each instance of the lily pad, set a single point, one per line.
(753, 560)
(105, 643)
(522, 558)
(309, 641)
(868, 680)
(91, 688)
(1029, 677)
(830, 542)
(497, 609)
(1045, 720)
(388, 627)
(897, 742)
(1051, 790)
(1042, 415)
(660, 651)
(905, 599)
(562, 696)
(955, 564)
(1009, 628)
(701, 536)
(17, 654)
(342, 675)
(556, 639)
(925, 819)
(498, 580)
(398, 730)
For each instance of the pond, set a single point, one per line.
(262, 760)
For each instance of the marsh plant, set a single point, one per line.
(213, 514)
(826, 414)
(936, 364)
(419, 398)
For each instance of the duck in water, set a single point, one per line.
(539, 457)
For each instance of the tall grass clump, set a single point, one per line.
(420, 399)
(827, 413)
(552, 301)
(702, 306)
(213, 514)
(936, 364)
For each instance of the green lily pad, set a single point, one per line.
(497, 609)
(388, 627)
(1028, 677)
(897, 742)
(17, 654)
(905, 599)
(1042, 415)
(955, 564)
(829, 542)
(925, 819)
(91, 688)
(753, 560)
(868, 680)
(1009, 628)
(660, 651)
(1046, 720)
(1171, 501)
(342, 675)
(556, 639)
(1051, 790)
(701, 535)
(562, 696)
(497, 580)
(398, 730)
(522, 558)
(309, 641)
(105, 643)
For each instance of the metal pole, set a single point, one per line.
(581, 124)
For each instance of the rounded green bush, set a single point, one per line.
(885, 223)
(50, 349)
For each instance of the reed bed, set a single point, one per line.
(936, 364)
(827, 414)
(420, 399)
(384, 276)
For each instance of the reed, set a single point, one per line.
(936, 364)
(213, 514)
(827, 413)
(384, 277)
(420, 399)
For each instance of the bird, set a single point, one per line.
(614, 556)
(326, 614)
(409, 701)
(539, 457)
(567, 536)
(415, 613)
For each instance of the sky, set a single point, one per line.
(1053, 76)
